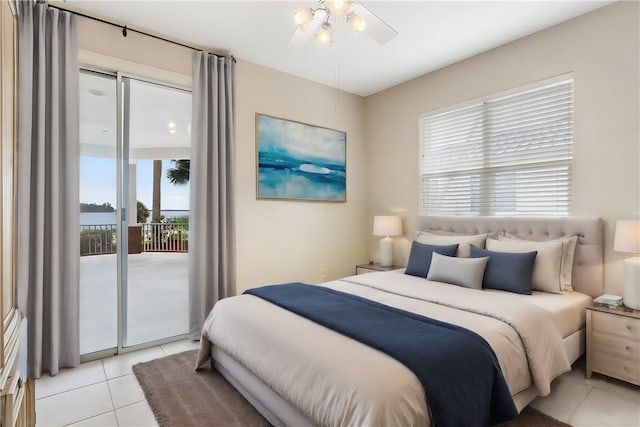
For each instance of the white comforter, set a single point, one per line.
(335, 380)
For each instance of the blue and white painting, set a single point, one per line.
(300, 161)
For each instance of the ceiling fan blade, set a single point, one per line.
(300, 37)
(376, 28)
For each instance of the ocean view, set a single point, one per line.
(104, 218)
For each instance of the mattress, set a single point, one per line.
(568, 309)
(289, 353)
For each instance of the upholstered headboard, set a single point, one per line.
(588, 270)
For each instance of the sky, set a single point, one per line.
(98, 184)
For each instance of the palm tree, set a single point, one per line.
(179, 175)
(155, 204)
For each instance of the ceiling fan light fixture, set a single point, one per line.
(358, 23)
(302, 17)
(338, 7)
(324, 34)
(319, 19)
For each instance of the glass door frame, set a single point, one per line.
(122, 208)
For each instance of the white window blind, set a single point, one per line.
(503, 156)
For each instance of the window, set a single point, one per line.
(505, 155)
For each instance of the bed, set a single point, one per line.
(296, 372)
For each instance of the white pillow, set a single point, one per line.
(568, 254)
(467, 272)
(547, 270)
(464, 242)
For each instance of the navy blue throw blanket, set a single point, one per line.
(457, 367)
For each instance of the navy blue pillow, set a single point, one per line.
(420, 257)
(507, 271)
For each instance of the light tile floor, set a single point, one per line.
(100, 393)
(106, 393)
(599, 401)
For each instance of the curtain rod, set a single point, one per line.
(125, 29)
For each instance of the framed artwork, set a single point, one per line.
(298, 161)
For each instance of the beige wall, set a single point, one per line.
(601, 49)
(282, 241)
(108, 40)
(277, 241)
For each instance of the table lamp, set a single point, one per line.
(387, 226)
(627, 239)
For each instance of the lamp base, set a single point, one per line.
(632, 282)
(386, 252)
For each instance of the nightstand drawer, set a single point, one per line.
(625, 369)
(623, 347)
(617, 325)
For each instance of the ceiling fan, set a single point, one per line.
(318, 21)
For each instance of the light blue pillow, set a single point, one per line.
(467, 272)
(507, 271)
(420, 257)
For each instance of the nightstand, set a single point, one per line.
(371, 268)
(613, 343)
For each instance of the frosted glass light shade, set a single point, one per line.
(387, 225)
(627, 238)
(324, 34)
(338, 7)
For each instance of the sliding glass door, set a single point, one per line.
(134, 201)
(98, 212)
(157, 151)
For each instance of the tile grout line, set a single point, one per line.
(68, 390)
(88, 418)
(136, 403)
(596, 417)
(575, 411)
(115, 415)
(613, 393)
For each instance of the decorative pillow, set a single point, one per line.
(462, 241)
(507, 271)
(420, 257)
(548, 266)
(568, 254)
(467, 272)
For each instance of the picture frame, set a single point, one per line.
(299, 161)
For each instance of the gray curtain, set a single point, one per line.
(211, 210)
(48, 201)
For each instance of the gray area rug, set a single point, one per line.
(180, 396)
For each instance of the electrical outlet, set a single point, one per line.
(323, 273)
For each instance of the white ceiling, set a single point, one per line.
(431, 34)
(159, 119)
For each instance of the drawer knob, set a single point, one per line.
(628, 327)
(626, 347)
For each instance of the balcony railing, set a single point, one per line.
(156, 237)
(98, 239)
(165, 237)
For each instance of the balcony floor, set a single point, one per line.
(157, 299)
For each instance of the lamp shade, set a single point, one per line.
(627, 238)
(384, 225)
